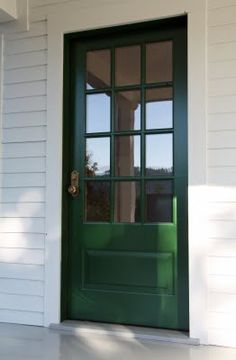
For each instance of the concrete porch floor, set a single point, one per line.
(30, 343)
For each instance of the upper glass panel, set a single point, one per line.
(159, 108)
(98, 69)
(98, 113)
(159, 62)
(128, 65)
(97, 161)
(159, 154)
(128, 110)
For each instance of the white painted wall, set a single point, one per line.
(24, 164)
(222, 172)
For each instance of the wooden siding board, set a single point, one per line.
(22, 194)
(22, 287)
(30, 59)
(22, 241)
(22, 271)
(29, 119)
(28, 89)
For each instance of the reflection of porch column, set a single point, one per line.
(125, 191)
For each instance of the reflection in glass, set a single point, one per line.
(159, 108)
(159, 154)
(127, 62)
(97, 201)
(98, 113)
(127, 201)
(128, 110)
(97, 161)
(159, 62)
(98, 67)
(127, 155)
(159, 195)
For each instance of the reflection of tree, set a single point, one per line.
(159, 171)
(90, 166)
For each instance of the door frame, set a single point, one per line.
(84, 17)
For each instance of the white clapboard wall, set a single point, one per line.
(22, 196)
(222, 171)
(22, 193)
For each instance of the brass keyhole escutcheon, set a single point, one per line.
(73, 189)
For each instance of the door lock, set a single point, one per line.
(73, 189)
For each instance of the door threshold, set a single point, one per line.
(124, 331)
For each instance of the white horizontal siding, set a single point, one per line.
(222, 34)
(223, 86)
(36, 29)
(23, 90)
(30, 59)
(24, 180)
(22, 240)
(222, 51)
(34, 209)
(218, 122)
(22, 256)
(222, 283)
(22, 194)
(24, 104)
(21, 165)
(214, 4)
(39, 3)
(24, 150)
(25, 45)
(21, 317)
(222, 171)
(33, 73)
(22, 225)
(222, 265)
(21, 287)
(22, 271)
(21, 302)
(28, 119)
(26, 134)
(222, 211)
(222, 16)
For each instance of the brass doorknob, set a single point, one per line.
(73, 189)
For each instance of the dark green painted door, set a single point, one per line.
(127, 228)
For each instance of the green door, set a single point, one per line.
(125, 244)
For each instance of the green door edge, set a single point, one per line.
(183, 294)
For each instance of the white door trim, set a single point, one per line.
(90, 14)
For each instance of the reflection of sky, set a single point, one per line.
(158, 147)
(159, 151)
(159, 115)
(98, 113)
(99, 149)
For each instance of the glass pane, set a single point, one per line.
(159, 154)
(98, 113)
(98, 66)
(97, 161)
(97, 201)
(128, 67)
(128, 110)
(159, 62)
(159, 195)
(127, 155)
(159, 108)
(127, 201)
